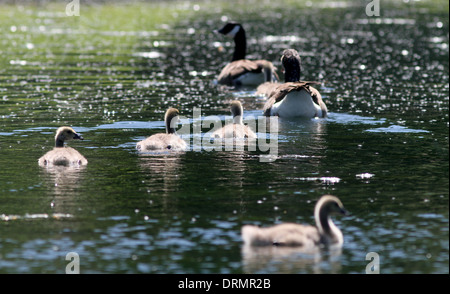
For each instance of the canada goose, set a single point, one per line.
(165, 141)
(293, 98)
(61, 155)
(241, 71)
(237, 129)
(291, 234)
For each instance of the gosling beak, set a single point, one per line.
(344, 212)
(78, 137)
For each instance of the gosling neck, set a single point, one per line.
(59, 143)
(327, 228)
(238, 120)
(171, 121)
(237, 112)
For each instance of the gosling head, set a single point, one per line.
(325, 207)
(329, 204)
(65, 134)
(292, 65)
(230, 29)
(237, 111)
(171, 120)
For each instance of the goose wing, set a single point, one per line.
(267, 88)
(278, 93)
(162, 141)
(297, 235)
(62, 156)
(234, 131)
(288, 234)
(239, 67)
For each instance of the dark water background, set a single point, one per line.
(113, 71)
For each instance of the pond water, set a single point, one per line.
(113, 71)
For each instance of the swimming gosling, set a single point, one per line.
(237, 129)
(63, 155)
(165, 141)
(295, 235)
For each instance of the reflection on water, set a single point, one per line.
(35, 216)
(281, 259)
(64, 178)
(66, 184)
(163, 170)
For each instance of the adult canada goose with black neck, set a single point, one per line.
(165, 141)
(63, 155)
(241, 71)
(291, 234)
(293, 98)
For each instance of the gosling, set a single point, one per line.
(295, 235)
(63, 155)
(165, 141)
(237, 129)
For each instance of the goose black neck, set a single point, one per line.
(292, 74)
(240, 48)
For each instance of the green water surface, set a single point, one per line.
(113, 71)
